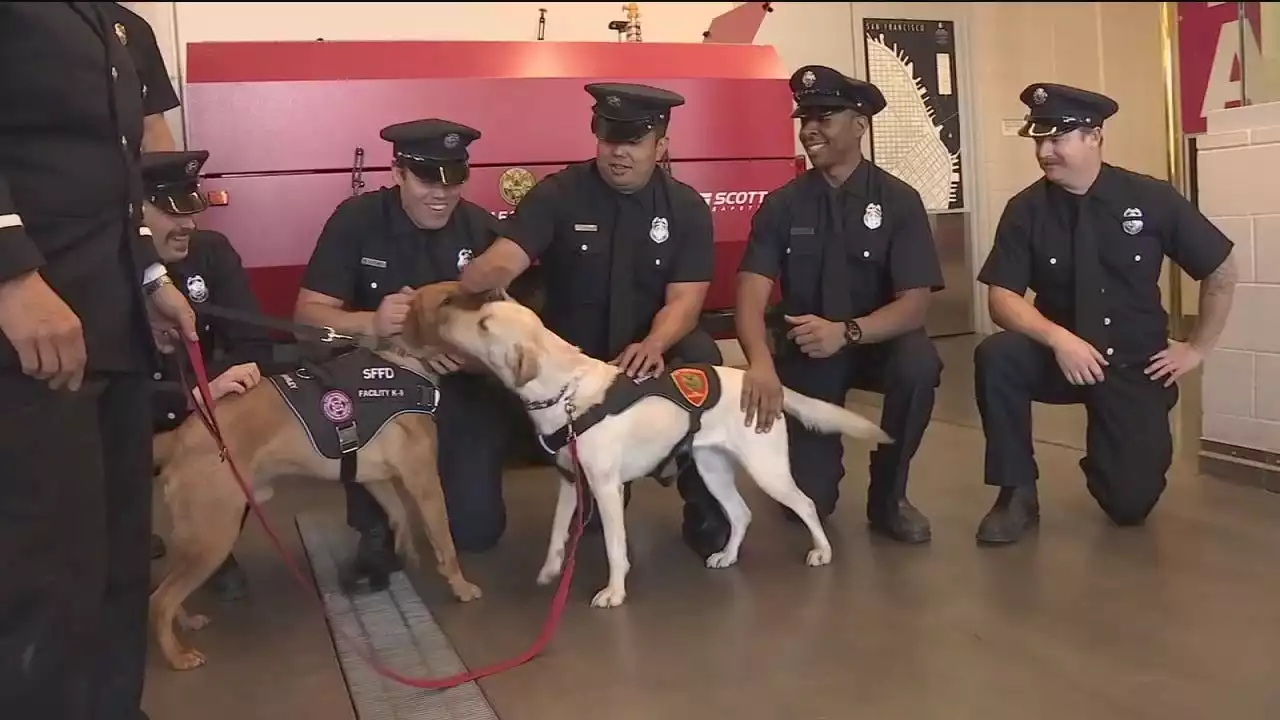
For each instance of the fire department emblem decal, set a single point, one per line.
(1132, 221)
(808, 78)
(872, 216)
(451, 140)
(659, 231)
(197, 289)
(692, 384)
(1040, 96)
(465, 256)
(514, 184)
(121, 34)
(336, 406)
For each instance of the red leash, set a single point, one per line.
(558, 602)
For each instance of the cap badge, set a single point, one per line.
(514, 184)
(197, 289)
(121, 34)
(1132, 221)
(451, 140)
(614, 101)
(192, 167)
(872, 216)
(808, 78)
(465, 256)
(659, 230)
(1040, 97)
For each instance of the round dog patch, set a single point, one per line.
(336, 406)
(692, 384)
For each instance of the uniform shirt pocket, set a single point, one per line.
(587, 256)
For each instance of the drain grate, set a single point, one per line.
(399, 629)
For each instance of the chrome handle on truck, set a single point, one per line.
(357, 172)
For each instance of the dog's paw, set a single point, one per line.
(818, 557)
(609, 597)
(193, 622)
(187, 660)
(721, 560)
(548, 574)
(466, 592)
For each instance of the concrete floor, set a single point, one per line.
(1174, 621)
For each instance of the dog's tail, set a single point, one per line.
(825, 417)
(162, 449)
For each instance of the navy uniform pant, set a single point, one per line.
(474, 424)
(75, 547)
(906, 370)
(1129, 446)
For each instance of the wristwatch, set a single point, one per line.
(852, 332)
(151, 287)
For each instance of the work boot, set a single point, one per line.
(899, 520)
(157, 547)
(1016, 510)
(229, 583)
(704, 530)
(376, 557)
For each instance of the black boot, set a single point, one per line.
(704, 529)
(157, 547)
(376, 557)
(899, 520)
(1016, 510)
(228, 583)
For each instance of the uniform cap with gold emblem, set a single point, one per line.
(171, 180)
(435, 150)
(1054, 110)
(626, 112)
(819, 90)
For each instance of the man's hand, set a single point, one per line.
(444, 363)
(817, 337)
(1174, 361)
(237, 380)
(642, 359)
(44, 331)
(761, 396)
(394, 308)
(171, 317)
(1079, 361)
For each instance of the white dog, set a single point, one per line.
(512, 342)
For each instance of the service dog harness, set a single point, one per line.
(344, 403)
(694, 388)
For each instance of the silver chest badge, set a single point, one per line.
(872, 216)
(658, 230)
(465, 256)
(1132, 221)
(197, 289)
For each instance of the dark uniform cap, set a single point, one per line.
(818, 89)
(625, 112)
(1058, 109)
(435, 150)
(171, 180)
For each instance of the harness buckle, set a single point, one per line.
(348, 438)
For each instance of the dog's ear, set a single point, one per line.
(524, 364)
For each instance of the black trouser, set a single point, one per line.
(906, 370)
(1129, 446)
(75, 547)
(473, 427)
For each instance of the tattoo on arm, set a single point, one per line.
(1216, 294)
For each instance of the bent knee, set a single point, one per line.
(477, 533)
(1002, 350)
(915, 363)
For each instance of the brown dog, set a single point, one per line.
(267, 441)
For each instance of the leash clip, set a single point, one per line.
(331, 335)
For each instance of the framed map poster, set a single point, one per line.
(917, 136)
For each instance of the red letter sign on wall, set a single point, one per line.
(1209, 57)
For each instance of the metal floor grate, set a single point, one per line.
(399, 629)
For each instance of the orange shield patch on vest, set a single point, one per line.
(692, 384)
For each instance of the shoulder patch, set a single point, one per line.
(692, 384)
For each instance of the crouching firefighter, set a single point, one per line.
(373, 251)
(628, 256)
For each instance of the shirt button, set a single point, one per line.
(373, 285)
(583, 248)
(788, 251)
(1137, 258)
(1106, 321)
(115, 74)
(156, 376)
(1111, 351)
(172, 416)
(129, 209)
(866, 253)
(124, 142)
(1053, 261)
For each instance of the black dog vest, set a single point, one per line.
(693, 388)
(344, 403)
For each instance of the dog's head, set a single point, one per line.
(507, 337)
(422, 323)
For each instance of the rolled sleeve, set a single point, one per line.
(533, 224)
(767, 241)
(18, 253)
(696, 260)
(913, 255)
(1008, 265)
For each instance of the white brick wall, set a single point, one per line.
(1238, 161)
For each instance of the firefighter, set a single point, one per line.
(373, 250)
(1089, 238)
(158, 94)
(851, 247)
(78, 284)
(627, 251)
(208, 270)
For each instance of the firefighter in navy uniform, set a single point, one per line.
(208, 270)
(1089, 239)
(852, 249)
(78, 281)
(158, 94)
(374, 249)
(628, 256)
